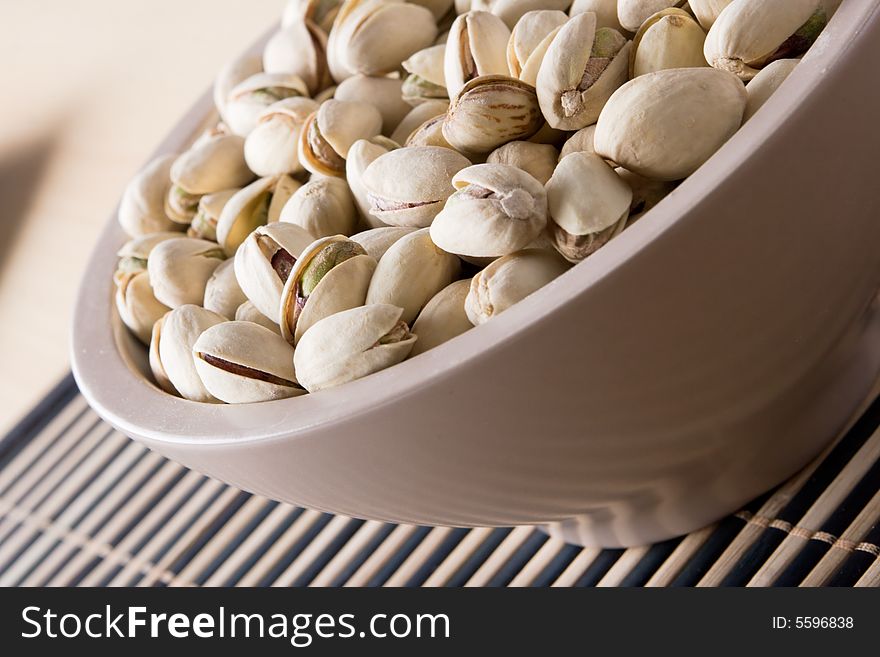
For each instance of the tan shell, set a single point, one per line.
(204, 222)
(142, 208)
(243, 362)
(137, 305)
(582, 140)
(173, 340)
(531, 30)
(438, 8)
(512, 11)
(361, 154)
(412, 271)
(330, 132)
(320, 12)
(605, 10)
(442, 318)
(765, 84)
(632, 13)
(408, 186)
(668, 39)
(646, 193)
(664, 125)
(382, 93)
(231, 75)
(428, 64)
(299, 48)
(247, 312)
(417, 116)
(271, 147)
(212, 165)
(223, 295)
(323, 207)
(476, 46)
(377, 241)
(159, 375)
(250, 97)
(532, 65)
(490, 111)
(496, 209)
(538, 160)
(180, 268)
(349, 345)
(707, 11)
(248, 208)
(430, 133)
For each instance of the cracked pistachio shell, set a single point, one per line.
(512, 11)
(134, 253)
(377, 241)
(137, 306)
(477, 46)
(632, 13)
(323, 207)
(646, 193)
(171, 357)
(412, 271)
(587, 201)
(251, 96)
(605, 10)
(350, 345)
(264, 262)
(491, 111)
(530, 32)
(581, 141)
(331, 275)
(496, 209)
(223, 295)
(243, 362)
(299, 48)
(211, 165)
(361, 154)
(256, 205)
(408, 186)
(159, 376)
(509, 280)
(669, 39)
(749, 34)
(385, 94)
(442, 318)
(426, 79)
(430, 133)
(373, 37)
(416, 117)
(180, 268)
(664, 125)
(271, 147)
(765, 84)
(538, 160)
(247, 312)
(320, 12)
(331, 130)
(204, 222)
(707, 11)
(582, 68)
(142, 208)
(231, 75)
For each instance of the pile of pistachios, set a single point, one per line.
(386, 175)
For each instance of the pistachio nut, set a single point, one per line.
(256, 205)
(142, 208)
(137, 306)
(331, 275)
(582, 68)
(134, 253)
(605, 10)
(664, 125)
(749, 34)
(412, 271)
(509, 280)
(632, 13)
(496, 209)
(538, 160)
(271, 147)
(249, 98)
(243, 362)
(264, 261)
(430, 133)
(765, 84)
(159, 375)
(416, 117)
(377, 241)
(646, 193)
(477, 46)
(350, 345)
(247, 312)
(223, 294)
(438, 8)
(323, 207)
(385, 94)
(320, 12)
(707, 11)
(299, 48)
(511, 11)
(408, 186)
(532, 30)
(442, 318)
(582, 140)
(359, 40)
(331, 130)
(490, 111)
(589, 204)
(426, 79)
(231, 75)
(204, 222)
(180, 268)
(360, 156)
(669, 39)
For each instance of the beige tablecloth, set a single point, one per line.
(89, 88)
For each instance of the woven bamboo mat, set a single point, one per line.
(80, 504)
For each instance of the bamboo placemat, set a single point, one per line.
(80, 504)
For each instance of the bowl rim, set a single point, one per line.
(137, 407)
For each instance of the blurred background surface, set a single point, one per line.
(89, 89)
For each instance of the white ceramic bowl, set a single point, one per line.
(701, 357)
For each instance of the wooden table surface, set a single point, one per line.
(89, 89)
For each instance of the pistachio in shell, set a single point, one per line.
(383, 93)
(223, 294)
(247, 312)
(180, 268)
(442, 318)
(204, 222)
(361, 154)
(605, 10)
(417, 116)
(632, 13)
(249, 98)
(765, 84)
(142, 208)
(256, 205)
(323, 207)
(299, 48)
(137, 305)
(376, 241)
(538, 160)
(271, 148)
(426, 79)
(529, 41)
(707, 11)
(477, 46)
(669, 39)
(329, 133)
